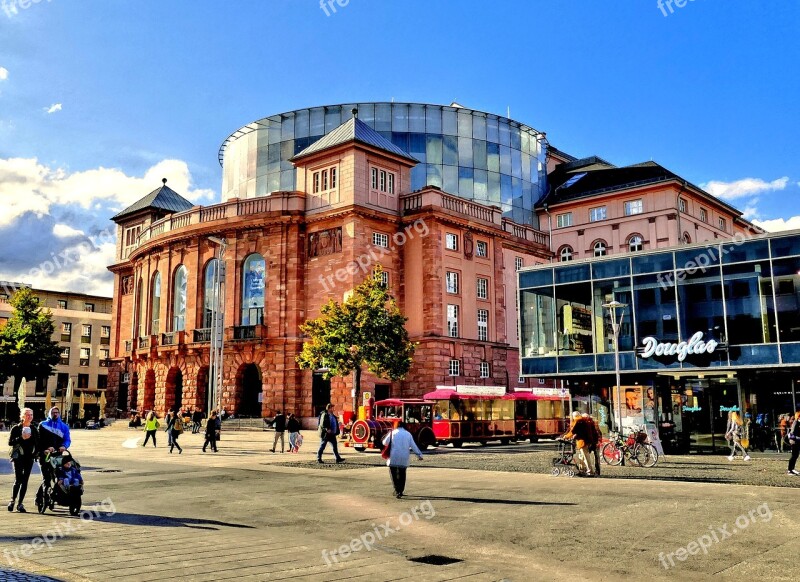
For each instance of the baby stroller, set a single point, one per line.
(565, 461)
(51, 492)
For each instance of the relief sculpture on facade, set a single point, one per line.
(325, 242)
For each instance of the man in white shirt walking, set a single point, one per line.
(402, 443)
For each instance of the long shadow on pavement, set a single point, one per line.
(482, 500)
(164, 521)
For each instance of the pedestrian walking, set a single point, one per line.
(401, 444)
(23, 440)
(594, 441)
(733, 434)
(293, 428)
(328, 431)
(581, 432)
(197, 419)
(211, 432)
(174, 430)
(279, 424)
(794, 441)
(151, 425)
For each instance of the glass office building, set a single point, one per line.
(475, 155)
(716, 323)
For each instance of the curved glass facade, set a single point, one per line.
(743, 294)
(478, 156)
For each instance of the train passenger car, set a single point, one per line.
(461, 417)
(417, 414)
(541, 413)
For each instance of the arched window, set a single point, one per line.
(253, 283)
(179, 299)
(140, 316)
(686, 238)
(635, 243)
(155, 305)
(565, 254)
(209, 293)
(600, 248)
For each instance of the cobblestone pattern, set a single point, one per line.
(7, 575)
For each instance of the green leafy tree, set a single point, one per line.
(366, 329)
(27, 349)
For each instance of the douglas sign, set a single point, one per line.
(695, 346)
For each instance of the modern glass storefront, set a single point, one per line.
(475, 155)
(707, 327)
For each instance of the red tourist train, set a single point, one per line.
(467, 414)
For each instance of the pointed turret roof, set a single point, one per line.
(164, 199)
(354, 130)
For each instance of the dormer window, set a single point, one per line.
(324, 180)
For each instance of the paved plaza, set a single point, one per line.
(247, 514)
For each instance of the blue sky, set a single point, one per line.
(100, 100)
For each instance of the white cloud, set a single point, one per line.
(53, 108)
(779, 224)
(66, 231)
(3, 73)
(743, 187)
(29, 186)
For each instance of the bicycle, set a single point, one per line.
(635, 447)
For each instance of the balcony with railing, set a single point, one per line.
(526, 232)
(247, 332)
(202, 335)
(172, 338)
(144, 343)
(128, 346)
(104, 363)
(231, 209)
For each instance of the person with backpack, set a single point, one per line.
(328, 431)
(174, 429)
(794, 440)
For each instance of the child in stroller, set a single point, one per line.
(63, 484)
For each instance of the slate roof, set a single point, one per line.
(163, 198)
(594, 176)
(353, 130)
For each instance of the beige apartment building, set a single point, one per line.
(83, 332)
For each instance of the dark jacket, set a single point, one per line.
(211, 428)
(29, 446)
(325, 425)
(197, 416)
(293, 425)
(279, 423)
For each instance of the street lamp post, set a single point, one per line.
(615, 326)
(216, 366)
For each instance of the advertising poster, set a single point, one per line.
(632, 405)
(677, 417)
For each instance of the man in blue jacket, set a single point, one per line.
(53, 437)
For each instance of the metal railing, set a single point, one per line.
(246, 332)
(202, 335)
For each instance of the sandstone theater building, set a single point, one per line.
(348, 201)
(450, 201)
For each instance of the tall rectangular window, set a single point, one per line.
(383, 181)
(563, 220)
(384, 279)
(483, 325)
(333, 178)
(64, 356)
(86, 333)
(451, 281)
(482, 249)
(482, 288)
(518, 263)
(452, 320)
(485, 371)
(86, 353)
(390, 183)
(451, 241)
(722, 223)
(324, 179)
(374, 174)
(455, 367)
(596, 214)
(316, 182)
(703, 215)
(681, 204)
(633, 207)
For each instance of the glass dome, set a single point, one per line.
(475, 155)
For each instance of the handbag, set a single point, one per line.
(14, 452)
(386, 453)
